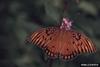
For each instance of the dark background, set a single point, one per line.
(20, 17)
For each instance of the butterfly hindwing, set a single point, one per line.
(52, 44)
(67, 49)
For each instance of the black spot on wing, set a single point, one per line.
(50, 30)
(77, 36)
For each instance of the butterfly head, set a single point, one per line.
(66, 24)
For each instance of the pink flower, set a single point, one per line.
(66, 24)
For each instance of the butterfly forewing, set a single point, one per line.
(83, 43)
(46, 39)
(74, 43)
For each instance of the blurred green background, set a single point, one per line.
(20, 17)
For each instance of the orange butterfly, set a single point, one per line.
(62, 42)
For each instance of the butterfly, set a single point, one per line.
(62, 42)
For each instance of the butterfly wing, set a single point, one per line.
(46, 39)
(83, 43)
(75, 43)
(67, 50)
